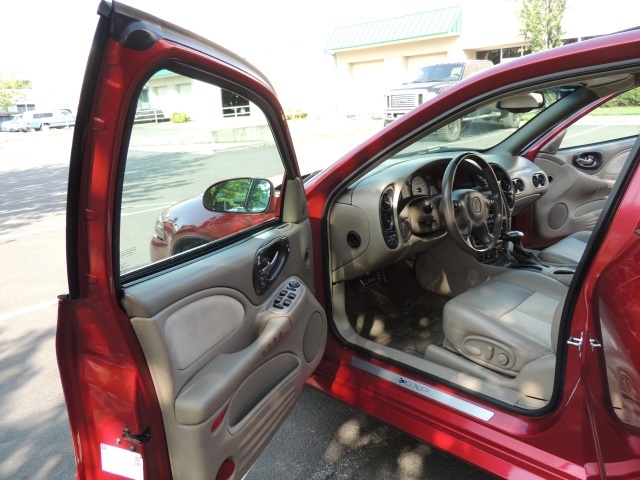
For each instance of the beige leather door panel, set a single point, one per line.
(580, 181)
(228, 364)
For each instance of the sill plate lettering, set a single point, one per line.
(421, 389)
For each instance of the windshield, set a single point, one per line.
(448, 72)
(484, 127)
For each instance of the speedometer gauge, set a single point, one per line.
(419, 186)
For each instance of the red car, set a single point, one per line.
(396, 280)
(193, 222)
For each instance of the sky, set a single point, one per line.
(50, 40)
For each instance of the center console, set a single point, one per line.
(517, 257)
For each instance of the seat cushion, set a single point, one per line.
(567, 250)
(505, 322)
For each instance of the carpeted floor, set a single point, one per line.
(397, 312)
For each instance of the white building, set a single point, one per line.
(372, 57)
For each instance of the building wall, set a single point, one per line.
(202, 102)
(365, 73)
(179, 94)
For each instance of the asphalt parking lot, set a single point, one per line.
(323, 438)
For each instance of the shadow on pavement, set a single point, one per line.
(325, 439)
(29, 195)
(30, 447)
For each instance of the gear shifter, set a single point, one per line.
(519, 252)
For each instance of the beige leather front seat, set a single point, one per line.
(569, 250)
(506, 322)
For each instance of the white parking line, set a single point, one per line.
(29, 309)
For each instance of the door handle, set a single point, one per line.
(588, 160)
(269, 261)
(270, 264)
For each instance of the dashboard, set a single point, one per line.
(395, 211)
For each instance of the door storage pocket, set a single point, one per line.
(265, 382)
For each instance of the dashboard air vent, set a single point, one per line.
(518, 185)
(539, 180)
(389, 232)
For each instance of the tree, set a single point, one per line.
(12, 92)
(541, 23)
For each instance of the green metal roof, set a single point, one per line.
(419, 25)
(163, 73)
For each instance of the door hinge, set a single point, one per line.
(141, 439)
(577, 342)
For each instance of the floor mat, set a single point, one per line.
(396, 312)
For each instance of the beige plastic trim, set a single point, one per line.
(295, 208)
(576, 197)
(218, 350)
(223, 381)
(447, 270)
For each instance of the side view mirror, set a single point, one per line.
(522, 103)
(239, 195)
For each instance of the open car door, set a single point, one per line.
(191, 325)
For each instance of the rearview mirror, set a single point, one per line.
(522, 103)
(239, 195)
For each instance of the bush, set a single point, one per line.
(180, 118)
(627, 99)
(295, 114)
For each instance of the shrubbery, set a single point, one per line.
(627, 99)
(291, 114)
(180, 118)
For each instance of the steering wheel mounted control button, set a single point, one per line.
(287, 296)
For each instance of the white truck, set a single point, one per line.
(435, 79)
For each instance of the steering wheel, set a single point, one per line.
(467, 211)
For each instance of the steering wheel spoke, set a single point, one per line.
(482, 234)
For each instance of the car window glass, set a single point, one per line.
(484, 127)
(188, 135)
(616, 119)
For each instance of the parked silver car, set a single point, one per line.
(16, 124)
